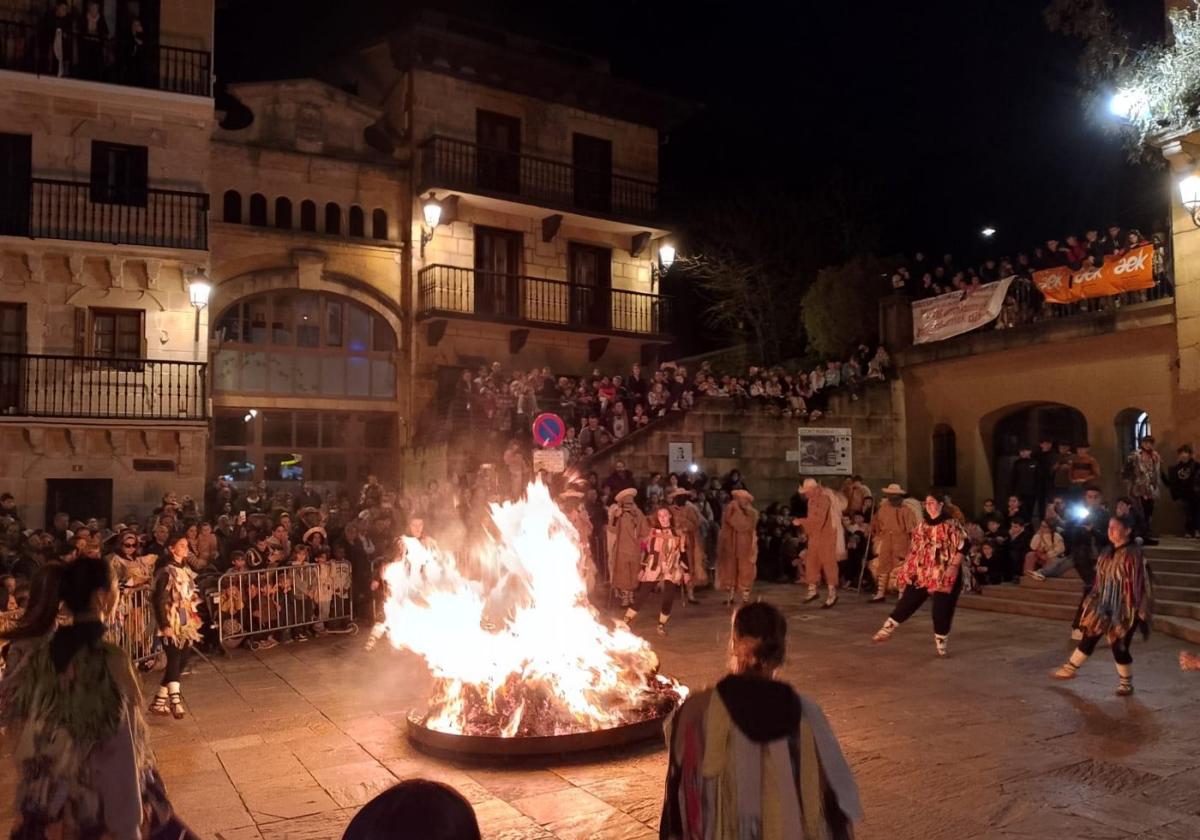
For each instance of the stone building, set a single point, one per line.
(104, 161)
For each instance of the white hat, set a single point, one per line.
(628, 494)
(809, 484)
(893, 489)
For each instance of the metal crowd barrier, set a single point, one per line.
(135, 627)
(261, 602)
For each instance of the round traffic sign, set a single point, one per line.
(548, 430)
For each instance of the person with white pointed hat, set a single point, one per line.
(891, 529)
(737, 546)
(822, 525)
(628, 527)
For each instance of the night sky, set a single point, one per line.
(945, 115)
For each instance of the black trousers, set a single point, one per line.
(944, 604)
(1191, 514)
(176, 659)
(1120, 648)
(646, 588)
(1147, 510)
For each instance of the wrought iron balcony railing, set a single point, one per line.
(459, 165)
(46, 208)
(448, 290)
(98, 388)
(25, 49)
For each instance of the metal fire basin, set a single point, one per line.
(451, 745)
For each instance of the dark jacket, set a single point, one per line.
(1025, 477)
(1183, 480)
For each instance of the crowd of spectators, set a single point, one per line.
(921, 277)
(603, 408)
(76, 40)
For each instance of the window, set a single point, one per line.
(308, 216)
(945, 457)
(589, 270)
(16, 160)
(283, 213)
(333, 218)
(258, 210)
(232, 207)
(117, 333)
(593, 172)
(357, 223)
(12, 328)
(379, 224)
(119, 174)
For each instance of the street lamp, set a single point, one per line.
(1127, 103)
(198, 292)
(1189, 192)
(988, 232)
(431, 209)
(666, 258)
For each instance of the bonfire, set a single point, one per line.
(512, 642)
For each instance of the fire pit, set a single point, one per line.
(522, 663)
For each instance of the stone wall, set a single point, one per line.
(766, 440)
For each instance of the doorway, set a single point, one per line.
(593, 172)
(589, 270)
(79, 498)
(16, 161)
(497, 271)
(498, 137)
(1027, 427)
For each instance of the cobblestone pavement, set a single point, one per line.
(980, 746)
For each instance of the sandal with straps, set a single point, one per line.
(177, 709)
(158, 705)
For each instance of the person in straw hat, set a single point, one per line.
(689, 521)
(737, 546)
(891, 529)
(571, 502)
(627, 527)
(822, 526)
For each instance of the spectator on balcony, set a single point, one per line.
(135, 56)
(58, 39)
(93, 42)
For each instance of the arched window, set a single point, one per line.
(945, 457)
(357, 222)
(379, 224)
(231, 210)
(308, 216)
(1132, 424)
(283, 213)
(333, 218)
(258, 210)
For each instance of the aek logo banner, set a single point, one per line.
(1129, 273)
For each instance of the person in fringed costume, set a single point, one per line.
(1119, 604)
(571, 502)
(826, 540)
(737, 546)
(937, 568)
(750, 759)
(176, 601)
(663, 565)
(72, 702)
(627, 527)
(689, 523)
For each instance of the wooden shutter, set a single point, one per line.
(81, 331)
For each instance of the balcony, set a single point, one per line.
(54, 209)
(451, 164)
(93, 388)
(447, 291)
(157, 67)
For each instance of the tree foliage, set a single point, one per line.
(842, 307)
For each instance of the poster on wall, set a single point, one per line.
(550, 460)
(825, 451)
(679, 456)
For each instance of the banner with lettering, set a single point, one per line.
(1130, 273)
(955, 313)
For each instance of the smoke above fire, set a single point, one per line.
(509, 636)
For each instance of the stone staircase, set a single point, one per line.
(1176, 566)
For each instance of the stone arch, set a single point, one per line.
(1005, 430)
(1132, 424)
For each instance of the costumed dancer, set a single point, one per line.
(73, 705)
(1119, 603)
(751, 757)
(662, 565)
(826, 539)
(176, 603)
(571, 502)
(891, 529)
(627, 526)
(737, 546)
(933, 569)
(690, 524)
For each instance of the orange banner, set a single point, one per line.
(1130, 273)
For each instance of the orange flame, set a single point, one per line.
(514, 646)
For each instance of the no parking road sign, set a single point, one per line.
(548, 430)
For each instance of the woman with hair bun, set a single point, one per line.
(82, 753)
(753, 758)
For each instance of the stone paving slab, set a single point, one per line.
(288, 743)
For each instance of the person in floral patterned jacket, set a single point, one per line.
(933, 570)
(1142, 471)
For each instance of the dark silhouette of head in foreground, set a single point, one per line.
(416, 809)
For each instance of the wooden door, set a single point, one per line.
(498, 158)
(16, 156)
(592, 157)
(497, 272)
(590, 276)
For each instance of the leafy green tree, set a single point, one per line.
(842, 306)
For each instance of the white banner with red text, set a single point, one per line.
(955, 313)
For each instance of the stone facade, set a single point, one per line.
(58, 282)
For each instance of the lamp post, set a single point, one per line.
(1189, 194)
(431, 209)
(198, 292)
(666, 258)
